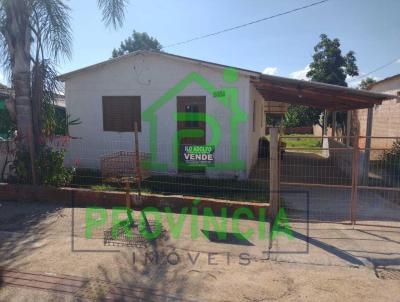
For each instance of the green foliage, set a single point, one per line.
(301, 116)
(7, 126)
(49, 165)
(366, 82)
(137, 41)
(113, 11)
(329, 65)
(273, 119)
(391, 158)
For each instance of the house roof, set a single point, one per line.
(278, 89)
(393, 77)
(67, 75)
(316, 94)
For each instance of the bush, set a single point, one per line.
(391, 158)
(49, 166)
(301, 116)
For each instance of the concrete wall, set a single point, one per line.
(386, 117)
(149, 76)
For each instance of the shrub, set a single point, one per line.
(49, 166)
(391, 158)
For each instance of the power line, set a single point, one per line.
(375, 70)
(245, 24)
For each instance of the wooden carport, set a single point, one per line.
(317, 95)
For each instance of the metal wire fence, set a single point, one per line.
(225, 179)
(357, 181)
(325, 167)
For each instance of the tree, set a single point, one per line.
(137, 41)
(301, 116)
(366, 82)
(329, 65)
(30, 31)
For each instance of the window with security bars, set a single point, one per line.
(121, 112)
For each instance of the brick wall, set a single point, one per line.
(386, 117)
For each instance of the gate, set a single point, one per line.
(348, 179)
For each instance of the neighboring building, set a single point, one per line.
(385, 117)
(157, 90)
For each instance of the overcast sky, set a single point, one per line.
(281, 46)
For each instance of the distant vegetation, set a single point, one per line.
(137, 41)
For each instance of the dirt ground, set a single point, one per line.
(43, 245)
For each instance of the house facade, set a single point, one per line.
(160, 92)
(385, 117)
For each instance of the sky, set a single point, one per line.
(282, 46)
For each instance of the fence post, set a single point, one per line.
(273, 172)
(273, 180)
(354, 179)
(334, 124)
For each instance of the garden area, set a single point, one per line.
(229, 189)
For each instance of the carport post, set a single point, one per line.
(333, 123)
(348, 127)
(354, 180)
(367, 152)
(325, 125)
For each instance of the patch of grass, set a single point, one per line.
(104, 187)
(307, 141)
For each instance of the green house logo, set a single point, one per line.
(226, 96)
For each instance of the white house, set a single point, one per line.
(178, 101)
(150, 88)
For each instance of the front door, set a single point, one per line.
(191, 104)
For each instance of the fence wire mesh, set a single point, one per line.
(326, 168)
(323, 166)
(243, 183)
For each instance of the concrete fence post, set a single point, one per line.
(274, 171)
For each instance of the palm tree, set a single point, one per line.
(30, 32)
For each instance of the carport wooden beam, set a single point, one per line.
(315, 94)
